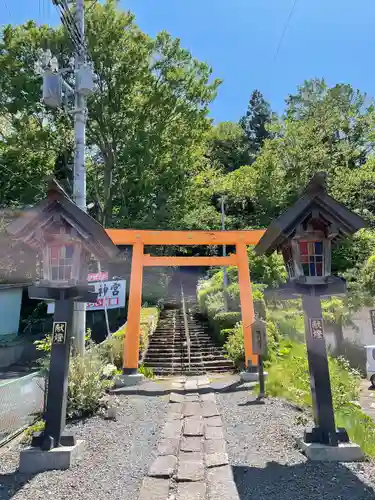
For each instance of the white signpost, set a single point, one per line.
(111, 295)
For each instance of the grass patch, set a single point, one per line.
(288, 378)
(112, 349)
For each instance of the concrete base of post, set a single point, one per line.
(35, 460)
(344, 452)
(251, 376)
(128, 380)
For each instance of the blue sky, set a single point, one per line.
(333, 39)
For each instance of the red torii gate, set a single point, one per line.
(138, 239)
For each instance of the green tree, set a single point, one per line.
(255, 122)
(147, 119)
(227, 147)
(30, 134)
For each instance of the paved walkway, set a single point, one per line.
(192, 461)
(367, 398)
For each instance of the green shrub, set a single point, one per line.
(223, 321)
(37, 426)
(225, 334)
(234, 346)
(146, 371)
(359, 426)
(205, 296)
(288, 377)
(86, 385)
(112, 349)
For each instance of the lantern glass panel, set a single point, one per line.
(312, 257)
(61, 262)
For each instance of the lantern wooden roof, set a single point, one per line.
(29, 226)
(314, 203)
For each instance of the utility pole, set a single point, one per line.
(79, 183)
(225, 280)
(54, 90)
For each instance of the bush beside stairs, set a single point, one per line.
(167, 353)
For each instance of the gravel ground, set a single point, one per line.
(116, 458)
(267, 465)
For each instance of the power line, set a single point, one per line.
(39, 188)
(285, 29)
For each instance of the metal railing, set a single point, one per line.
(21, 402)
(187, 334)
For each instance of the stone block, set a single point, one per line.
(191, 385)
(154, 489)
(176, 398)
(213, 422)
(209, 396)
(209, 409)
(217, 459)
(177, 385)
(203, 381)
(163, 466)
(190, 444)
(220, 484)
(128, 381)
(192, 398)
(344, 452)
(191, 491)
(35, 460)
(193, 426)
(168, 446)
(214, 433)
(172, 429)
(171, 415)
(251, 376)
(215, 446)
(190, 467)
(175, 408)
(192, 409)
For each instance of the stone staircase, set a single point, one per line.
(167, 353)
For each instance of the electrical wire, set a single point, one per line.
(69, 22)
(38, 188)
(70, 27)
(92, 5)
(285, 29)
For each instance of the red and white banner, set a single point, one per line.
(103, 276)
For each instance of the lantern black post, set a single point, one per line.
(305, 234)
(55, 413)
(325, 430)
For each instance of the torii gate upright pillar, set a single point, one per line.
(247, 305)
(132, 334)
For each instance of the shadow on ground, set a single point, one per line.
(161, 388)
(11, 483)
(307, 481)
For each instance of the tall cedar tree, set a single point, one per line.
(255, 121)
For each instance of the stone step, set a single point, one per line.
(185, 361)
(182, 341)
(177, 355)
(171, 350)
(184, 355)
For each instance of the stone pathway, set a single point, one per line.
(367, 398)
(192, 461)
